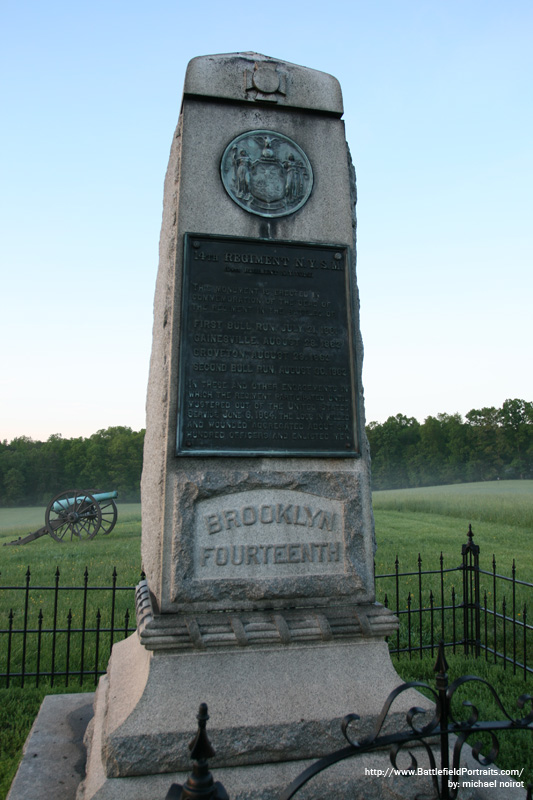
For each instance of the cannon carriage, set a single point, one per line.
(78, 512)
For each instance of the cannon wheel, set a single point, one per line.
(80, 515)
(109, 514)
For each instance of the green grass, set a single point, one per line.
(18, 709)
(45, 556)
(425, 521)
(19, 521)
(428, 522)
(503, 502)
(121, 548)
(516, 751)
(408, 534)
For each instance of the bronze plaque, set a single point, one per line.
(266, 356)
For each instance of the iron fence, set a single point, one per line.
(477, 612)
(60, 633)
(63, 634)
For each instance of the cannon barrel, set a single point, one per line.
(101, 497)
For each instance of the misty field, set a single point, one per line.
(510, 502)
(435, 519)
(408, 523)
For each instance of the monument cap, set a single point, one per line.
(255, 78)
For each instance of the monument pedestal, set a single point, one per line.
(257, 527)
(268, 704)
(54, 760)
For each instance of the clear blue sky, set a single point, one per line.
(438, 111)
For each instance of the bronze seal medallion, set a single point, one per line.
(266, 173)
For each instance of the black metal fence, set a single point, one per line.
(475, 611)
(63, 634)
(69, 638)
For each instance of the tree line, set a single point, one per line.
(32, 472)
(489, 443)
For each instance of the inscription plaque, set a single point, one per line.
(282, 534)
(266, 358)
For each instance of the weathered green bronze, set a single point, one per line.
(266, 358)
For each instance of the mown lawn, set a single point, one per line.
(121, 549)
(408, 523)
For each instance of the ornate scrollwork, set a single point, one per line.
(441, 727)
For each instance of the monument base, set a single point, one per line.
(356, 779)
(266, 729)
(267, 705)
(54, 760)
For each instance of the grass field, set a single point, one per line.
(408, 523)
(432, 520)
(507, 502)
(121, 549)
(19, 521)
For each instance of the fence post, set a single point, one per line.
(441, 667)
(471, 599)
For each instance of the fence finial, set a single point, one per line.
(200, 785)
(441, 665)
(200, 746)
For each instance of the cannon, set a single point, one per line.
(83, 513)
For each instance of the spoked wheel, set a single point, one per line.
(75, 511)
(109, 512)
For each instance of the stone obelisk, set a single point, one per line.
(257, 532)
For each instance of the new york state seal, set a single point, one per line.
(266, 173)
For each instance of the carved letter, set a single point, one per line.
(294, 553)
(328, 519)
(213, 523)
(265, 548)
(249, 515)
(267, 514)
(251, 554)
(306, 553)
(280, 553)
(281, 513)
(230, 517)
(334, 552)
(297, 520)
(310, 516)
(317, 549)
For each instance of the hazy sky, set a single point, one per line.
(438, 111)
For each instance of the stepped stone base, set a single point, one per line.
(54, 760)
(289, 707)
(267, 704)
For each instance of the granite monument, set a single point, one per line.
(257, 532)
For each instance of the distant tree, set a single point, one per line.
(393, 446)
(516, 419)
(33, 472)
(14, 487)
(489, 443)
